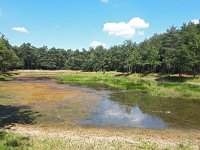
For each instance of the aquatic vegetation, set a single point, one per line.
(138, 85)
(10, 115)
(56, 103)
(66, 104)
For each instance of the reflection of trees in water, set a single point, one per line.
(183, 113)
(16, 114)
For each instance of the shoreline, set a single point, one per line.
(126, 137)
(167, 138)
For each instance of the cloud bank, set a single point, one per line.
(127, 30)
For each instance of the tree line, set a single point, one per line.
(175, 51)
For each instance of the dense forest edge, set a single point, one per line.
(177, 51)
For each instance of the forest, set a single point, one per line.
(176, 51)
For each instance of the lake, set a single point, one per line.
(48, 102)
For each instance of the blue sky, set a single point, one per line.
(83, 23)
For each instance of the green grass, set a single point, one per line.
(144, 85)
(151, 84)
(6, 76)
(146, 145)
(9, 141)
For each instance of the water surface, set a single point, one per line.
(111, 113)
(127, 109)
(61, 104)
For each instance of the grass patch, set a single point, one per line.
(147, 145)
(6, 76)
(10, 141)
(185, 145)
(173, 88)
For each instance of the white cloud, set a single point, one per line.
(104, 1)
(124, 29)
(95, 44)
(20, 29)
(138, 23)
(119, 29)
(195, 21)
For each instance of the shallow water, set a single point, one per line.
(59, 103)
(111, 113)
(52, 102)
(124, 109)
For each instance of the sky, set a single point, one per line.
(78, 24)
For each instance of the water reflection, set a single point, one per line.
(176, 112)
(111, 113)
